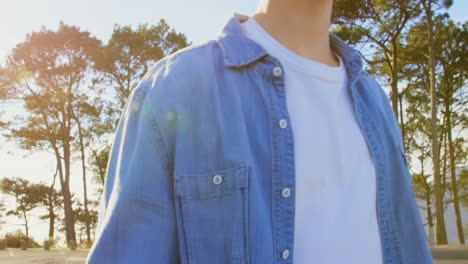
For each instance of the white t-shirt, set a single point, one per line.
(335, 196)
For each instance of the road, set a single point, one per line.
(39, 256)
(450, 255)
(442, 255)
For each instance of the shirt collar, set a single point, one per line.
(238, 50)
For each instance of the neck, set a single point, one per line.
(300, 25)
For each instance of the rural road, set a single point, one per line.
(442, 255)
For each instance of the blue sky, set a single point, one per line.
(200, 20)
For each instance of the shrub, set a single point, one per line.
(14, 240)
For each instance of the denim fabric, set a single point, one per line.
(199, 160)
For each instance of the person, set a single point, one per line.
(268, 144)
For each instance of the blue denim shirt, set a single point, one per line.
(199, 161)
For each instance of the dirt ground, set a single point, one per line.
(39, 256)
(442, 255)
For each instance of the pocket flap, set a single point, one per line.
(212, 184)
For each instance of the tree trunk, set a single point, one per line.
(429, 215)
(66, 139)
(51, 224)
(67, 209)
(64, 173)
(427, 197)
(441, 236)
(51, 215)
(394, 77)
(456, 206)
(402, 121)
(26, 226)
(51, 206)
(83, 168)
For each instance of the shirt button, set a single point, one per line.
(285, 254)
(283, 123)
(286, 192)
(217, 179)
(277, 71)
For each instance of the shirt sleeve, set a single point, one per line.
(137, 216)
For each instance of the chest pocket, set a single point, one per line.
(212, 215)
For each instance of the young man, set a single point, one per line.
(269, 144)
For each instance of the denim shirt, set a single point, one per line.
(199, 161)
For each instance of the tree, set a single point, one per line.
(84, 219)
(423, 191)
(3, 83)
(26, 197)
(123, 62)
(463, 184)
(2, 211)
(452, 56)
(130, 53)
(52, 201)
(380, 26)
(47, 73)
(98, 163)
(429, 7)
(87, 117)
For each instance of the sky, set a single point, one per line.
(199, 20)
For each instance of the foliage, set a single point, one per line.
(130, 53)
(80, 218)
(463, 186)
(98, 164)
(61, 81)
(14, 240)
(26, 195)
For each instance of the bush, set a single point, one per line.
(85, 244)
(53, 242)
(14, 240)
